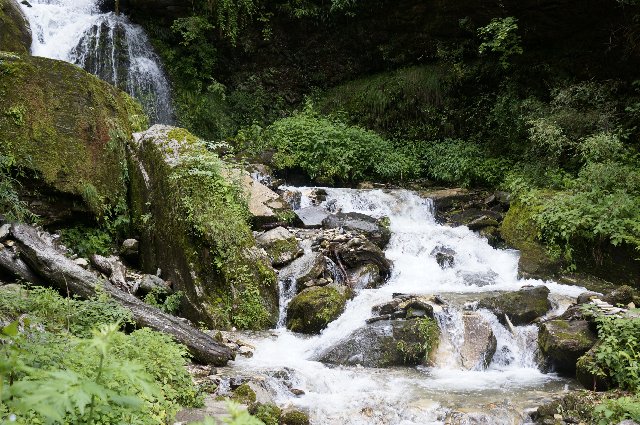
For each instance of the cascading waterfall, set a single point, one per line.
(423, 395)
(105, 44)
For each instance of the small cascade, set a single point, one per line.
(495, 382)
(104, 44)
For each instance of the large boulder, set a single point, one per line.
(265, 206)
(376, 230)
(563, 342)
(519, 231)
(280, 244)
(67, 131)
(522, 307)
(359, 251)
(387, 343)
(15, 34)
(314, 308)
(194, 226)
(304, 269)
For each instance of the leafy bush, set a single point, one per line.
(501, 37)
(86, 241)
(10, 204)
(330, 150)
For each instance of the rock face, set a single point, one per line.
(373, 229)
(479, 342)
(15, 34)
(265, 206)
(522, 307)
(69, 130)
(314, 308)
(387, 343)
(280, 244)
(194, 227)
(562, 343)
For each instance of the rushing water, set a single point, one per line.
(105, 44)
(422, 395)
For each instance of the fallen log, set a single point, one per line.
(57, 270)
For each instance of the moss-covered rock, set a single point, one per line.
(314, 308)
(590, 375)
(522, 307)
(67, 130)
(387, 343)
(294, 417)
(15, 34)
(280, 244)
(244, 395)
(194, 226)
(519, 231)
(563, 342)
(268, 413)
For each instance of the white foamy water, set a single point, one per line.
(423, 395)
(104, 44)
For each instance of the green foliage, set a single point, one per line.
(11, 206)
(86, 241)
(237, 416)
(167, 303)
(330, 150)
(618, 409)
(501, 37)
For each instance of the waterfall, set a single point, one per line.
(493, 394)
(104, 44)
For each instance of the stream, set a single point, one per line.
(444, 393)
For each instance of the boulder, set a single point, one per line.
(280, 244)
(600, 381)
(314, 308)
(357, 252)
(522, 307)
(376, 230)
(15, 34)
(192, 219)
(479, 344)
(622, 295)
(67, 131)
(366, 276)
(130, 251)
(519, 231)
(586, 297)
(265, 206)
(563, 342)
(387, 343)
(310, 266)
(312, 217)
(294, 417)
(154, 284)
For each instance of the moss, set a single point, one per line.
(314, 308)
(67, 127)
(520, 231)
(416, 339)
(244, 395)
(294, 417)
(206, 245)
(267, 413)
(15, 35)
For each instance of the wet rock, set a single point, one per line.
(522, 307)
(445, 256)
(483, 278)
(479, 344)
(358, 252)
(280, 244)
(407, 306)
(376, 230)
(130, 251)
(386, 343)
(15, 34)
(483, 221)
(304, 269)
(265, 205)
(586, 297)
(312, 217)
(563, 342)
(314, 308)
(620, 296)
(367, 276)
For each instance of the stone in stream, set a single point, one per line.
(366, 276)
(445, 256)
(479, 344)
(357, 252)
(522, 306)
(314, 308)
(312, 217)
(280, 244)
(387, 343)
(376, 230)
(563, 342)
(304, 269)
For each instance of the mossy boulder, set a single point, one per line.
(563, 342)
(522, 307)
(67, 131)
(314, 308)
(294, 417)
(590, 375)
(193, 221)
(244, 395)
(280, 244)
(520, 231)
(15, 34)
(387, 343)
(376, 230)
